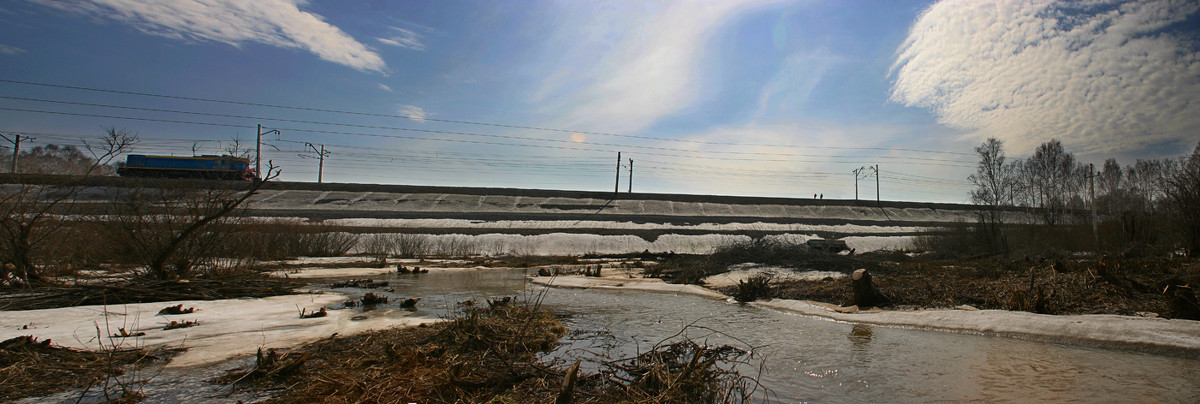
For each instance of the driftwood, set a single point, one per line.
(865, 292)
(566, 395)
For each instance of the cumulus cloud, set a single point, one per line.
(272, 22)
(403, 38)
(1103, 76)
(414, 112)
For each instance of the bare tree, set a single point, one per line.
(28, 211)
(993, 181)
(1110, 193)
(171, 230)
(56, 159)
(1052, 174)
(235, 148)
(1183, 196)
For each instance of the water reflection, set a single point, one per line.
(816, 360)
(860, 336)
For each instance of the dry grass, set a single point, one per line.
(141, 290)
(31, 368)
(486, 355)
(1110, 286)
(491, 355)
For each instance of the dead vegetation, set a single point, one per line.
(483, 355)
(1063, 286)
(142, 290)
(491, 355)
(29, 367)
(1129, 282)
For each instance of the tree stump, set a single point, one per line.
(1183, 302)
(865, 293)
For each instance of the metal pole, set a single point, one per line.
(16, 149)
(617, 185)
(877, 183)
(258, 153)
(320, 155)
(321, 167)
(856, 171)
(630, 175)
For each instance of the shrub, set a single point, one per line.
(754, 288)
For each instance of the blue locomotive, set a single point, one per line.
(207, 167)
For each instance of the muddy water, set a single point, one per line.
(804, 358)
(808, 359)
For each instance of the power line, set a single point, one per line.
(508, 137)
(423, 119)
(435, 162)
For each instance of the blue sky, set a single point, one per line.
(748, 97)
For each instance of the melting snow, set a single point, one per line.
(227, 328)
(1107, 331)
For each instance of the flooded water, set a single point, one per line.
(809, 359)
(803, 358)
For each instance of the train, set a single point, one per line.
(205, 167)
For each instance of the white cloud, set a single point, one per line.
(637, 64)
(384, 87)
(272, 22)
(414, 112)
(1103, 76)
(792, 158)
(10, 50)
(403, 38)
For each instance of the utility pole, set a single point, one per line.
(258, 150)
(1092, 190)
(617, 185)
(16, 142)
(876, 183)
(857, 173)
(631, 176)
(321, 154)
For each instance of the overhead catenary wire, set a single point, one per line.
(429, 119)
(471, 134)
(519, 164)
(410, 169)
(422, 138)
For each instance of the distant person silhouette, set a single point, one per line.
(822, 196)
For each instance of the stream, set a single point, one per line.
(811, 359)
(802, 358)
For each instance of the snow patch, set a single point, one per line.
(862, 244)
(644, 284)
(741, 272)
(227, 328)
(1109, 331)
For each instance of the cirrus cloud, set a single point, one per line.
(1103, 76)
(272, 22)
(403, 38)
(625, 65)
